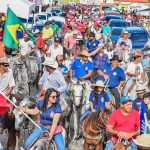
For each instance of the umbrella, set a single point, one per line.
(4, 105)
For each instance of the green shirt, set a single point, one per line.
(55, 28)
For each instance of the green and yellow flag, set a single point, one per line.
(12, 26)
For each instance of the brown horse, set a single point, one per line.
(94, 128)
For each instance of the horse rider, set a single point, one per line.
(125, 37)
(63, 69)
(98, 99)
(82, 69)
(140, 91)
(40, 47)
(50, 112)
(92, 43)
(134, 72)
(55, 49)
(115, 76)
(99, 58)
(7, 83)
(123, 124)
(47, 33)
(25, 45)
(53, 78)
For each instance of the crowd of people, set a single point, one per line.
(85, 41)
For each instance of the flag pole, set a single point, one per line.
(20, 110)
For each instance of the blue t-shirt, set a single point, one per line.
(63, 69)
(115, 76)
(92, 45)
(106, 29)
(46, 118)
(101, 101)
(136, 104)
(145, 63)
(80, 70)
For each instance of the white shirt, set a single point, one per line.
(132, 68)
(55, 51)
(25, 46)
(6, 81)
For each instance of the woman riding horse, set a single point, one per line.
(50, 113)
(99, 99)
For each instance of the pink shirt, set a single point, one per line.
(71, 42)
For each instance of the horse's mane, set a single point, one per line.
(94, 117)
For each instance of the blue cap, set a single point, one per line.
(125, 99)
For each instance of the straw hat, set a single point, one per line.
(36, 31)
(143, 140)
(99, 83)
(140, 89)
(125, 32)
(51, 63)
(84, 53)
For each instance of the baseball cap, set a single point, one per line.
(125, 99)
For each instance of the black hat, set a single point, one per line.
(56, 39)
(115, 57)
(92, 34)
(53, 20)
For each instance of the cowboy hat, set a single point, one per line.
(84, 53)
(143, 140)
(140, 89)
(51, 63)
(36, 31)
(99, 83)
(125, 32)
(4, 61)
(115, 57)
(79, 37)
(137, 54)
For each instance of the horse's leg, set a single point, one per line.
(86, 145)
(98, 147)
(67, 123)
(17, 143)
(76, 115)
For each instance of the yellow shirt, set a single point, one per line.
(47, 33)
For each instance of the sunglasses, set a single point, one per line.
(5, 65)
(53, 97)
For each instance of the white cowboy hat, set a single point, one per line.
(140, 89)
(36, 31)
(143, 140)
(125, 32)
(99, 83)
(51, 63)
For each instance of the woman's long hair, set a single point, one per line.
(96, 94)
(46, 99)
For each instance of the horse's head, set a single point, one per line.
(120, 146)
(77, 89)
(19, 117)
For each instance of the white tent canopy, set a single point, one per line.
(22, 8)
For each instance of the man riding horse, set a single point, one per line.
(6, 84)
(123, 124)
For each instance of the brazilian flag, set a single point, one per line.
(13, 31)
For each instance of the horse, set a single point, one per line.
(94, 127)
(78, 97)
(13, 122)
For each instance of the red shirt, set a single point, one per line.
(64, 27)
(123, 123)
(81, 27)
(40, 42)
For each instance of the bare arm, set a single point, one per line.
(71, 72)
(34, 111)
(88, 75)
(54, 125)
(95, 51)
(121, 84)
(9, 91)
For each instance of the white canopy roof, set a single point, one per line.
(22, 8)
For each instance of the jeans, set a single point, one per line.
(86, 113)
(38, 54)
(58, 138)
(116, 95)
(109, 146)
